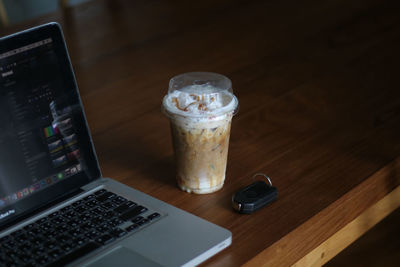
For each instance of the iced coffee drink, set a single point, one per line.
(200, 107)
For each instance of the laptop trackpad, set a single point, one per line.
(123, 257)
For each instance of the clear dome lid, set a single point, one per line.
(200, 94)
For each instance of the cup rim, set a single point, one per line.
(223, 111)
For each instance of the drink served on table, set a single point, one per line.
(200, 106)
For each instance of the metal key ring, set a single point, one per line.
(265, 176)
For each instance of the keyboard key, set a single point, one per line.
(58, 220)
(11, 254)
(54, 214)
(37, 251)
(119, 200)
(117, 232)
(7, 262)
(109, 214)
(9, 244)
(125, 207)
(5, 239)
(75, 232)
(115, 222)
(109, 205)
(17, 233)
(73, 223)
(81, 209)
(50, 234)
(87, 226)
(46, 226)
(70, 257)
(34, 231)
(77, 203)
(132, 212)
(106, 196)
(104, 239)
(66, 209)
(137, 219)
(37, 241)
(62, 228)
(132, 227)
(98, 219)
(79, 241)
(50, 245)
(143, 222)
(85, 217)
(24, 247)
(22, 238)
(43, 220)
(101, 191)
(103, 228)
(56, 253)
(93, 234)
(66, 247)
(43, 260)
(153, 216)
(89, 197)
(62, 238)
(28, 227)
(98, 211)
(25, 257)
(92, 203)
(70, 214)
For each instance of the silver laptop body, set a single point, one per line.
(60, 170)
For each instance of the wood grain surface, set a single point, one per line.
(353, 231)
(318, 86)
(378, 247)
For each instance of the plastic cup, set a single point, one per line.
(200, 106)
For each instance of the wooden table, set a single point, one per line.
(318, 85)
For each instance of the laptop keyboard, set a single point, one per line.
(74, 231)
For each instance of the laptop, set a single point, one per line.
(56, 209)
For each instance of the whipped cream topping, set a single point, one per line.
(199, 101)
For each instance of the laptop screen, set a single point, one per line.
(45, 146)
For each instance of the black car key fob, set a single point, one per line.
(253, 197)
